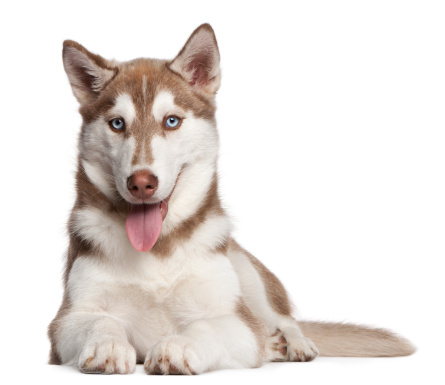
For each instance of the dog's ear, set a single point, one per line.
(198, 61)
(88, 73)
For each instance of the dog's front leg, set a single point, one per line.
(204, 345)
(95, 343)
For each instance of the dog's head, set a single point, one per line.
(144, 121)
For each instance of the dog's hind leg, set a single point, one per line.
(268, 300)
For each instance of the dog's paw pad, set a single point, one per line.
(277, 347)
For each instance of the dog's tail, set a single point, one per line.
(347, 340)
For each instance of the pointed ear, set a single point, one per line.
(88, 73)
(198, 61)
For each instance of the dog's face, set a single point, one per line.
(145, 115)
(145, 120)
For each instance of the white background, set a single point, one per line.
(331, 116)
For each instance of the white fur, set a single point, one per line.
(124, 107)
(254, 293)
(126, 304)
(106, 155)
(253, 289)
(210, 234)
(144, 91)
(193, 147)
(164, 104)
(100, 179)
(138, 289)
(108, 232)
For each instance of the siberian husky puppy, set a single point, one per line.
(153, 274)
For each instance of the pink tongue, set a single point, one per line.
(144, 224)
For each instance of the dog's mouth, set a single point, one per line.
(144, 222)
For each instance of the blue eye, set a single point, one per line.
(117, 124)
(172, 122)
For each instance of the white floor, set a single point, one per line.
(421, 368)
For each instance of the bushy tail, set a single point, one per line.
(347, 340)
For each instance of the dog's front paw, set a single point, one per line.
(173, 355)
(301, 349)
(108, 357)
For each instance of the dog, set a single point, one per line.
(153, 275)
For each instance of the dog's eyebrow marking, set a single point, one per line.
(164, 103)
(124, 107)
(144, 92)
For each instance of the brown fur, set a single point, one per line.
(157, 77)
(197, 66)
(205, 26)
(142, 79)
(98, 60)
(129, 79)
(276, 293)
(166, 245)
(222, 248)
(89, 196)
(346, 340)
(85, 79)
(257, 327)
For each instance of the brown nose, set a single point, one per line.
(142, 184)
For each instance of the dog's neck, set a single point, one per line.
(194, 199)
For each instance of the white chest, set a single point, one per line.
(151, 297)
